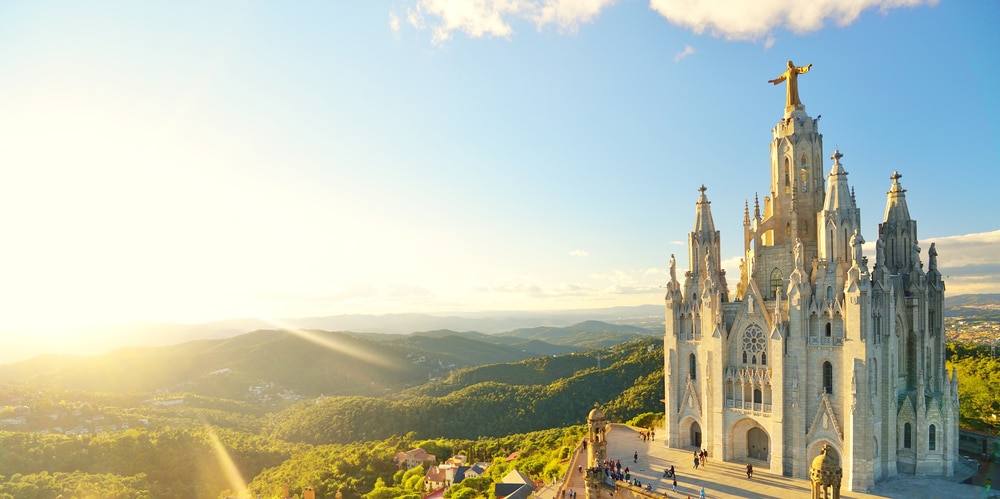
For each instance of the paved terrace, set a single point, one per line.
(723, 480)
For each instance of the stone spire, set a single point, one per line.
(704, 253)
(840, 216)
(703, 213)
(898, 231)
(895, 207)
(839, 194)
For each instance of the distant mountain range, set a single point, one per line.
(526, 324)
(965, 305)
(103, 339)
(307, 362)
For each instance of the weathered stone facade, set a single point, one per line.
(818, 346)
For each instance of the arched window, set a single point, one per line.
(788, 173)
(776, 281)
(829, 330)
(692, 367)
(828, 377)
(788, 230)
(829, 292)
(756, 395)
(753, 360)
(906, 436)
(763, 358)
(744, 357)
(931, 438)
(804, 170)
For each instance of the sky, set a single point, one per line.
(198, 161)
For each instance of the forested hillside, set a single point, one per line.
(490, 401)
(203, 435)
(178, 443)
(280, 364)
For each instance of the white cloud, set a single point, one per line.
(579, 252)
(492, 18)
(415, 18)
(729, 19)
(688, 50)
(569, 14)
(743, 20)
(394, 22)
(970, 263)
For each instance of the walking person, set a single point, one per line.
(675, 483)
(696, 461)
(749, 470)
(702, 496)
(635, 457)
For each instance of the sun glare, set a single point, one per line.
(336, 346)
(233, 475)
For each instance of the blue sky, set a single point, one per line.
(184, 161)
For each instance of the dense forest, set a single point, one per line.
(978, 385)
(180, 444)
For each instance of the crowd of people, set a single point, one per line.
(612, 469)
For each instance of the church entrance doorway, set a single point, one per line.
(695, 435)
(757, 444)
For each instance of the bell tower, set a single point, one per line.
(597, 451)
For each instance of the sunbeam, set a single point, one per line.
(336, 346)
(233, 475)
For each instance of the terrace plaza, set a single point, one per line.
(722, 480)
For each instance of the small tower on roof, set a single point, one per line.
(596, 452)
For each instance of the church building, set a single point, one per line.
(817, 346)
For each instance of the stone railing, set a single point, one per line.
(826, 341)
(747, 407)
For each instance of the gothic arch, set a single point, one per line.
(788, 175)
(828, 377)
(747, 439)
(804, 170)
(691, 433)
(776, 282)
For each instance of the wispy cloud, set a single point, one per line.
(688, 50)
(742, 20)
(579, 252)
(493, 18)
(394, 22)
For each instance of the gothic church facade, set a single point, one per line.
(818, 346)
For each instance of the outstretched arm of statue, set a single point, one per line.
(804, 69)
(778, 79)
